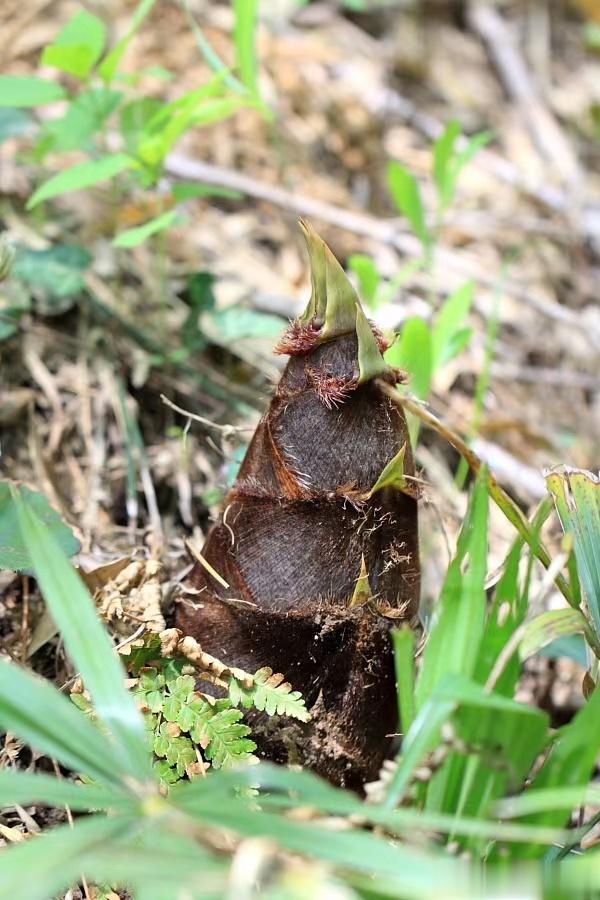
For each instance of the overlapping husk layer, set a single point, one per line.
(318, 541)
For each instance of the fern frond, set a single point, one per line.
(225, 739)
(271, 694)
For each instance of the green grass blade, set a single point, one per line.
(25, 788)
(570, 762)
(353, 850)
(403, 640)
(283, 789)
(82, 175)
(244, 34)
(38, 714)
(41, 867)
(87, 643)
(459, 619)
(506, 613)
(576, 496)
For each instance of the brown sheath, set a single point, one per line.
(319, 549)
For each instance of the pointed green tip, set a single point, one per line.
(362, 589)
(371, 363)
(392, 474)
(333, 300)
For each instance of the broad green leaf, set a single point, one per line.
(85, 116)
(406, 195)
(549, 626)
(38, 869)
(449, 323)
(569, 763)
(42, 717)
(110, 63)
(449, 162)
(193, 110)
(80, 176)
(13, 549)
(28, 788)
(573, 647)
(413, 352)
(57, 272)
(576, 496)
(134, 120)
(443, 151)
(458, 620)
(26, 90)
(78, 46)
(464, 156)
(14, 123)
(133, 237)
(368, 277)
(244, 29)
(87, 642)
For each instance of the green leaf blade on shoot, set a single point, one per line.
(443, 152)
(82, 175)
(412, 351)
(78, 46)
(26, 788)
(133, 237)
(368, 277)
(576, 495)
(110, 63)
(23, 91)
(506, 614)
(406, 195)
(244, 37)
(547, 627)
(38, 869)
(497, 742)
(41, 716)
(569, 763)
(448, 334)
(85, 116)
(353, 850)
(14, 554)
(459, 618)
(403, 640)
(87, 643)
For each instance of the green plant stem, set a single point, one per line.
(502, 500)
